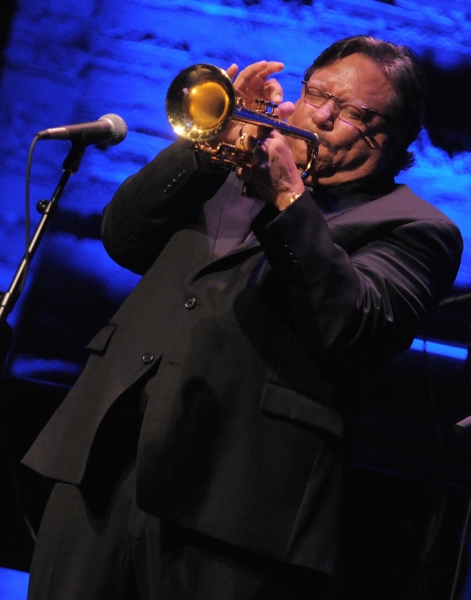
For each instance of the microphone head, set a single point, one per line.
(119, 129)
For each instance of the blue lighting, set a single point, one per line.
(123, 64)
(13, 584)
(457, 352)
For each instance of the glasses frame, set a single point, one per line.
(338, 104)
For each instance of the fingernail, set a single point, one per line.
(278, 98)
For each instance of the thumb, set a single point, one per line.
(285, 110)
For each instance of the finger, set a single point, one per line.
(273, 66)
(257, 73)
(232, 70)
(246, 75)
(248, 142)
(273, 91)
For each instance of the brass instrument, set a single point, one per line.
(201, 103)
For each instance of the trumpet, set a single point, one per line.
(201, 102)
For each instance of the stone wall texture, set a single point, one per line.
(70, 62)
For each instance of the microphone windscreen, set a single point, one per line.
(118, 126)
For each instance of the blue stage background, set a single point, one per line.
(70, 62)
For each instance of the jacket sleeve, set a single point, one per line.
(152, 204)
(367, 301)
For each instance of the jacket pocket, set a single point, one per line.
(100, 342)
(291, 405)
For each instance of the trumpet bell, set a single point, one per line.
(200, 102)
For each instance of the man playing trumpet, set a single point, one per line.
(202, 453)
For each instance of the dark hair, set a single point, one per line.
(402, 68)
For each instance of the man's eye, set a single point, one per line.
(353, 112)
(315, 93)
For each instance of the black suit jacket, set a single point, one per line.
(262, 324)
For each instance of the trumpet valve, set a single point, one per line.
(266, 107)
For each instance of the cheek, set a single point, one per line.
(345, 135)
(301, 116)
(353, 153)
(351, 141)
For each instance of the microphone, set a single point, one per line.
(108, 130)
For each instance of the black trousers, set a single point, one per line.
(122, 553)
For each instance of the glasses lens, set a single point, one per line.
(317, 97)
(352, 113)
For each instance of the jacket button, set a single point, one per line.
(190, 303)
(147, 358)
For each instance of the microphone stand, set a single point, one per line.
(9, 298)
(47, 209)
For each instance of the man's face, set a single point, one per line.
(350, 149)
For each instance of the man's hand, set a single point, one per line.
(253, 83)
(273, 175)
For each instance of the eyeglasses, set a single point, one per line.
(347, 112)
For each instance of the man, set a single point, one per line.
(201, 453)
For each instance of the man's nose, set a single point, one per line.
(325, 115)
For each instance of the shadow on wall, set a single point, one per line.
(66, 301)
(7, 10)
(447, 98)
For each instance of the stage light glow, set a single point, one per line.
(449, 350)
(13, 584)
